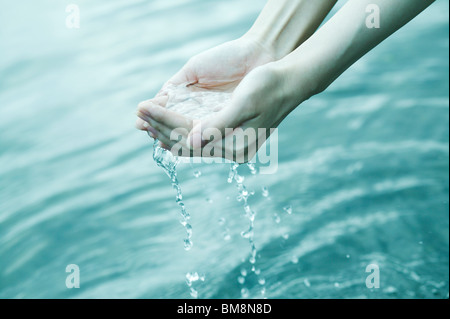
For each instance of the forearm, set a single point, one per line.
(285, 24)
(345, 38)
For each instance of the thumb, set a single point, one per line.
(228, 118)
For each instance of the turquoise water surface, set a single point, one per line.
(364, 166)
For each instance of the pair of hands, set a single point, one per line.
(260, 99)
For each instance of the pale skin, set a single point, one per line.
(278, 64)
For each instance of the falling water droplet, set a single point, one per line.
(265, 191)
(189, 230)
(233, 172)
(276, 218)
(307, 283)
(226, 235)
(252, 168)
(194, 293)
(248, 233)
(239, 179)
(288, 209)
(241, 280)
(197, 174)
(245, 293)
(262, 281)
(187, 244)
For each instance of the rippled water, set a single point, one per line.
(362, 177)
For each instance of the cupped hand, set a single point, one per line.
(219, 69)
(259, 103)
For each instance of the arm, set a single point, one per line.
(279, 29)
(285, 24)
(345, 38)
(269, 93)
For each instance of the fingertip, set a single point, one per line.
(141, 124)
(143, 104)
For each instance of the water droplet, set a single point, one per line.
(288, 209)
(233, 172)
(241, 280)
(187, 244)
(265, 191)
(294, 259)
(307, 283)
(285, 236)
(336, 284)
(188, 230)
(347, 256)
(192, 277)
(390, 290)
(194, 293)
(248, 233)
(226, 236)
(197, 174)
(245, 293)
(252, 168)
(263, 291)
(239, 179)
(243, 272)
(262, 281)
(276, 218)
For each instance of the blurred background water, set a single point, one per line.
(365, 165)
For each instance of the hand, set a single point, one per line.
(219, 69)
(260, 102)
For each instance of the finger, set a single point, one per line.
(161, 129)
(228, 118)
(141, 124)
(165, 116)
(159, 100)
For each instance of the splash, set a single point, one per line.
(195, 105)
(168, 163)
(198, 105)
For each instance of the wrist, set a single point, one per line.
(269, 39)
(299, 83)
